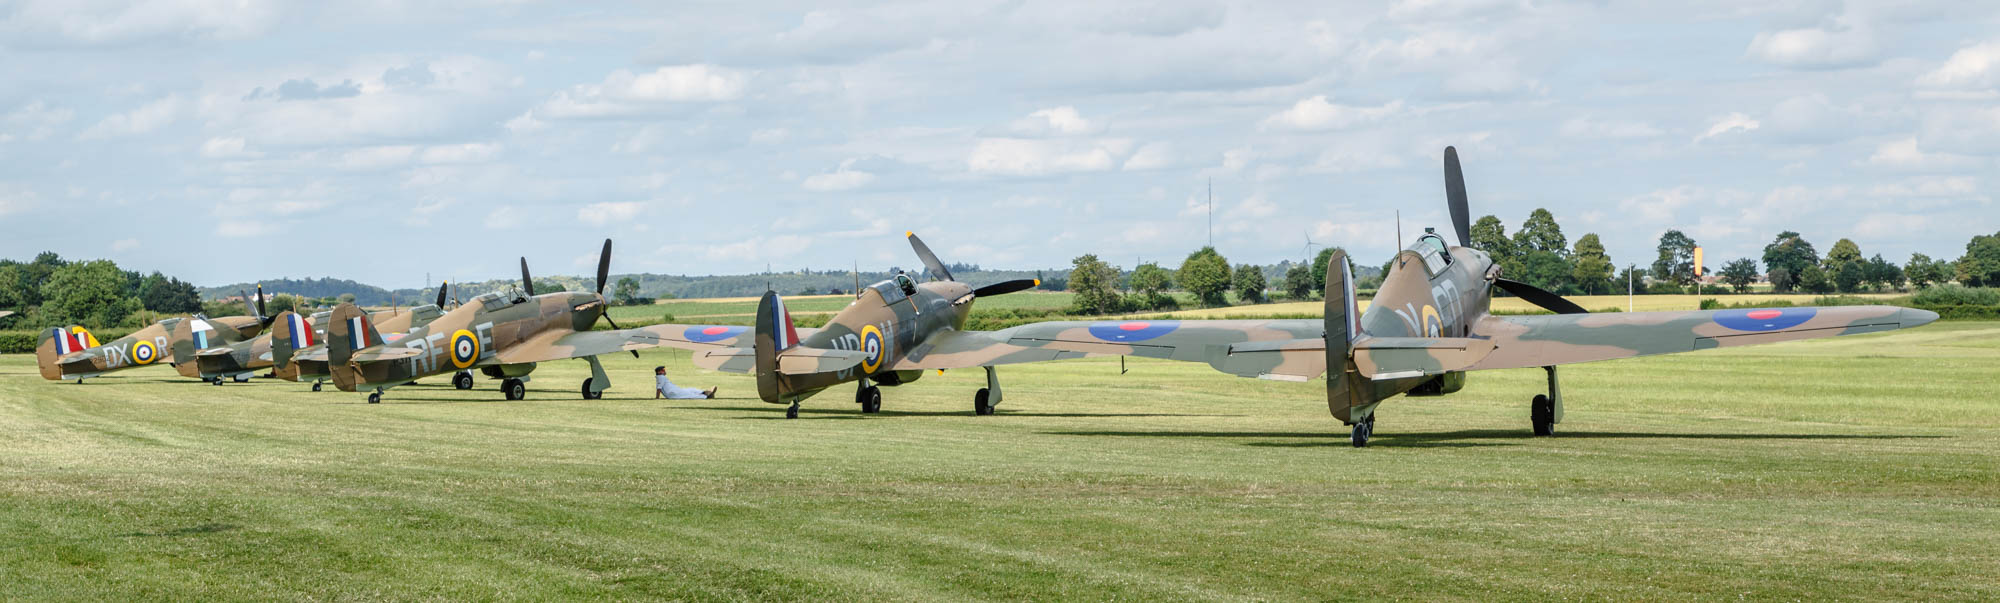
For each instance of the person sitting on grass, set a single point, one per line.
(666, 389)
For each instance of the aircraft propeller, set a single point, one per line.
(527, 283)
(441, 290)
(1454, 194)
(262, 317)
(937, 270)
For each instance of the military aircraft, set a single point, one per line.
(502, 336)
(1429, 324)
(213, 355)
(298, 350)
(890, 334)
(73, 353)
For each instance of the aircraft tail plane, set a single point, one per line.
(347, 330)
(292, 333)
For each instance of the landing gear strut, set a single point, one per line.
(1546, 410)
(1363, 430)
(593, 388)
(869, 397)
(987, 397)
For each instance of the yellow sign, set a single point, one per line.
(1697, 261)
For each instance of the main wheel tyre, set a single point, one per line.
(980, 402)
(315, 386)
(374, 397)
(1363, 431)
(514, 389)
(590, 395)
(793, 411)
(212, 381)
(1543, 414)
(462, 380)
(871, 402)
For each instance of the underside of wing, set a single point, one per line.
(966, 349)
(1291, 350)
(1547, 340)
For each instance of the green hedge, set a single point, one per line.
(23, 341)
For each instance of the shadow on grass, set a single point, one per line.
(1474, 437)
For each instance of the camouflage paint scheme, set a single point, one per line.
(145, 347)
(309, 363)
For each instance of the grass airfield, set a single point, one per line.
(1865, 467)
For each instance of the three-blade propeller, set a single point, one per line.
(1454, 195)
(603, 274)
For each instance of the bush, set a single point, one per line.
(1663, 288)
(1957, 295)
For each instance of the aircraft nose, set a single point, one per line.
(1912, 317)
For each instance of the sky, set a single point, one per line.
(384, 141)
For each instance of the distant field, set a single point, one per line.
(742, 310)
(1852, 468)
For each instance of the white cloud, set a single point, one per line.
(843, 178)
(1152, 156)
(14, 199)
(460, 153)
(1023, 157)
(1317, 113)
(225, 148)
(1904, 154)
(33, 121)
(1734, 122)
(122, 22)
(1972, 67)
(146, 118)
(369, 158)
(1661, 206)
(769, 136)
(124, 245)
(1587, 127)
(610, 212)
(240, 228)
(504, 217)
(1058, 121)
(1888, 225)
(1842, 43)
(624, 93)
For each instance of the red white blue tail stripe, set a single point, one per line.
(67, 341)
(201, 329)
(300, 330)
(787, 335)
(357, 332)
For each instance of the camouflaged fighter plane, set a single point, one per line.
(501, 336)
(210, 355)
(73, 353)
(1429, 324)
(295, 362)
(890, 334)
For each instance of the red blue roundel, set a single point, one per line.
(1132, 330)
(1764, 319)
(712, 334)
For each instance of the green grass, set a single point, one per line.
(1853, 468)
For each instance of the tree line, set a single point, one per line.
(49, 291)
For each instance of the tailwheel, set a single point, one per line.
(316, 386)
(793, 412)
(981, 404)
(1543, 414)
(871, 400)
(590, 395)
(514, 389)
(462, 380)
(374, 397)
(1364, 430)
(215, 381)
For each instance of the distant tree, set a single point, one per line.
(1490, 236)
(88, 293)
(1546, 270)
(1919, 271)
(1299, 282)
(1095, 284)
(626, 291)
(1781, 279)
(1249, 283)
(1740, 274)
(1150, 282)
(1815, 280)
(1844, 251)
(543, 286)
(1540, 233)
(1319, 267)
(10, 285)
(1885, 273)
(1792, 253)
(1593, 266)
(1676, 261)
(1634, 278)
(1205, 273)
(283, 302)
(1847, 276)
(1980, 266)
(169, 295)
(346, 298)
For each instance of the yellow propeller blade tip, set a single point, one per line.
(1038, 282)
(909, 233)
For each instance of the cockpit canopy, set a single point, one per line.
(1432, 248)
(493, 300)
(891, 292)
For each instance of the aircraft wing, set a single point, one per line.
(559, 345)
(966, 349)
(380, 353)
(1547, 340)
(1286, 350)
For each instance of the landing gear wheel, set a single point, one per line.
(514, 389)
(1364, 430)
(590, 395)
(871, 400)
(793, 412)
(215, 381)
(315, 386)
(1543, 413)
(462, 380)
(980, 404)
(374, 397)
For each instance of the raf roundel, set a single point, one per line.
(143, 352)
(872, 343)
(464, 349)
(1132, 330)
(712, 334)
(1764, 319)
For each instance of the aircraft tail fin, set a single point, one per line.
(293, 332)
(347, 330)
(1349, 394)
(775, 334)
(55, 343)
